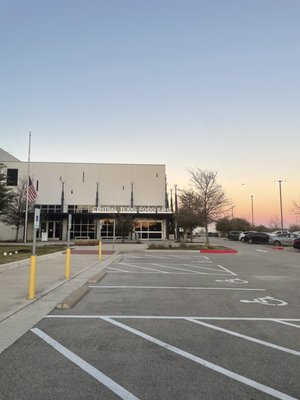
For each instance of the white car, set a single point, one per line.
(275, 233)
(243, 234)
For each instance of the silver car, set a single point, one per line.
(283, 239)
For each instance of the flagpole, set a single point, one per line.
(27, 191)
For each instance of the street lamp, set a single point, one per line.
(280, 197)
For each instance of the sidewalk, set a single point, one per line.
(18, 314)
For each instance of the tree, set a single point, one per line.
(15, 212)
(240, 224)
(274, 224)
(188, 216)
(296, 207)
(211, 198)
(294, 227)
(124, 226)
(5, 192)
(223, 226)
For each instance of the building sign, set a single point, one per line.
(131, 210)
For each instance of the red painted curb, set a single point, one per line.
(277, 247)
(218, 251)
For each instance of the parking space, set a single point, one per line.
(170, 326)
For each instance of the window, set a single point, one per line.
(83, 227)
(148, 229)
(12, 177)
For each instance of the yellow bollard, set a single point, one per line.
(68, 259)
(32, 277)
(100, 250)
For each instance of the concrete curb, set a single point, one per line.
(73, 298)
(97, 277)
(78, 294)
(30, 313)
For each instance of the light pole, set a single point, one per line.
(280, 197)
(131, 195)
(97, 194)
(62, 205)
(232, 207)
(252, 209)
(176, 211)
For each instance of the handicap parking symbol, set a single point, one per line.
(268, 301)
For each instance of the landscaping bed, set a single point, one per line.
(10, 253)
(202, 247)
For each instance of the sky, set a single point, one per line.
(191, 84)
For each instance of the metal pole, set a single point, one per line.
(27, 191)
(131, 196)
(252, 210)
(176, 211)
(280, 195)
(68, 251)
(114, 233)
(97, 195)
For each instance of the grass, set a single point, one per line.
(24, 252)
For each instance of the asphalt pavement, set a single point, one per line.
(167, 325)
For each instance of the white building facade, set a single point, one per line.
(96, 195)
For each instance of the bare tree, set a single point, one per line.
(296, 207)
(211, 196)
(274, 224)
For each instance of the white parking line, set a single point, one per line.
(116, 269)
(139, 267)
(202, 267)
(155, 273)
(180, 269)
(85, 366)
(218, 272)
(251, 339)
(203, 362)
(218, 265)
(168, 317)
(262, 251)
(172, 287)
(280, 321)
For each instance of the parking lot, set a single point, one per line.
(170, 325)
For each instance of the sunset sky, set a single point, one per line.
(190, 83)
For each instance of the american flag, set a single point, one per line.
(32, 195)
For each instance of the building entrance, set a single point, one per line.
(53, 229)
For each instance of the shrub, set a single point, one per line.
(86, 242)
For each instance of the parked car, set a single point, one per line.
(296, 232)
(283, 239)
(275, 233)
(257, 237)
(296, 243)
(243, 234)
(234, 235)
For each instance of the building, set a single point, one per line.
(96, 195)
